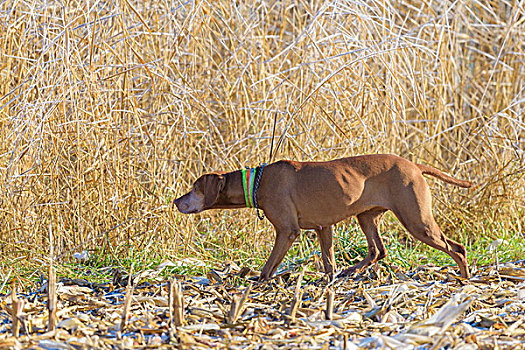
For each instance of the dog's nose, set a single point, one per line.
(181, 205)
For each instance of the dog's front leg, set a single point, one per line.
(283, 242)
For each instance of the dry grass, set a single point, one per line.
(424, 309)
(109, 110)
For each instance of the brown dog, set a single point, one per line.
(317, 195)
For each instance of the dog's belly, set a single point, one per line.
(310, 225)
(324, 218)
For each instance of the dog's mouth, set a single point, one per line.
(193, 211)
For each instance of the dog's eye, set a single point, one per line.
(197, 186)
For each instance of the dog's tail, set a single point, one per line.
(425, 169)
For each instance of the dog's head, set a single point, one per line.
(203, 195)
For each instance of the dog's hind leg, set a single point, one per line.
(416, 216)
(429, 232)
(369, 222)
(327, 249)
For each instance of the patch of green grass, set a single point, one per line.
(212, 250)
(405, 252)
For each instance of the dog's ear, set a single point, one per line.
(213, 186)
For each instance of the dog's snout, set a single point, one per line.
(187, 204)
(180, 204)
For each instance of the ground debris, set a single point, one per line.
(428, 308)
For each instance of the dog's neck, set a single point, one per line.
(233, 194)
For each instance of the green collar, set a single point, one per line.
(248, 184)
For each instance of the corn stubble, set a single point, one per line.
(109, 110)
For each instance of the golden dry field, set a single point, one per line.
(110, 110)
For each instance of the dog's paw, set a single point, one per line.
(349, 272)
